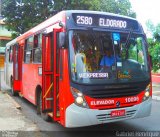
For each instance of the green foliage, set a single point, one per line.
(21, 15)
(156, 34)
(154, 45)
(74, 5)
(122, 7)
(154, 50)
(3, 43)
(150, 26)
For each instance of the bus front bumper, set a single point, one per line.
(79, 117)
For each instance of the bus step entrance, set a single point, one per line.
(49, 98)
(51, 114)
(47, 110)
(58, 114)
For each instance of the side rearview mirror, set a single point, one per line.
(151, 61)
(62, 39)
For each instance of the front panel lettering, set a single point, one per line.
(112, 23)
(84, 20)
(105, 21)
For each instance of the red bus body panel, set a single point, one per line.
(17, 85)
(65, 95)
(30, 79)
(110, 103)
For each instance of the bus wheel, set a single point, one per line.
(13, 93)
(39, 108)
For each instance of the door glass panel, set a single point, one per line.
(16, 62)
(48, 56)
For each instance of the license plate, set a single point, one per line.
(118, 113)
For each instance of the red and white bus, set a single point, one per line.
(61, 67)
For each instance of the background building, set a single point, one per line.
(5, 36)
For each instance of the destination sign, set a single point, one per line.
(112, 23)
(106, 21)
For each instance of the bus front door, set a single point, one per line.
(50, 100)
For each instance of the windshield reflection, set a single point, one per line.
(104, 57)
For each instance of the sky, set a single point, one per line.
(147, 10)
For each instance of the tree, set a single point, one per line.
(155, 53)
(122, 7)
(154, 44)
(150, 26)
(21, 15)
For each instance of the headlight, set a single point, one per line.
(79, 98)
(147, 92)
(148, 88)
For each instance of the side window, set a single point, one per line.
(136, 50)
(7, 55)
(140, 52)
(28, 50)
(37, 49)
(11, 54)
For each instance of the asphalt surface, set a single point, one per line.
(156, 91)
(147, 124)
(133, 127)
(25, 122)
(12, 120)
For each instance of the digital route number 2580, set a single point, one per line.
(84, 20)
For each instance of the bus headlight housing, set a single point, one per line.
(79, 98)
(147, 92)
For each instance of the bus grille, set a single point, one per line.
(115, 92)
(107, 117)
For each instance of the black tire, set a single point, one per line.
(13, 93)
(38, 104)
(39, 108)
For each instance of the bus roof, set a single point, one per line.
(61, 17)
(98, 12)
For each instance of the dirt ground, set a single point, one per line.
(11, 118)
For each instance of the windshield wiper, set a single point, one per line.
(127, 41)
(129, 35)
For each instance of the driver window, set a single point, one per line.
(136, 51)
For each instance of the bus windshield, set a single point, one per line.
(107, 57)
